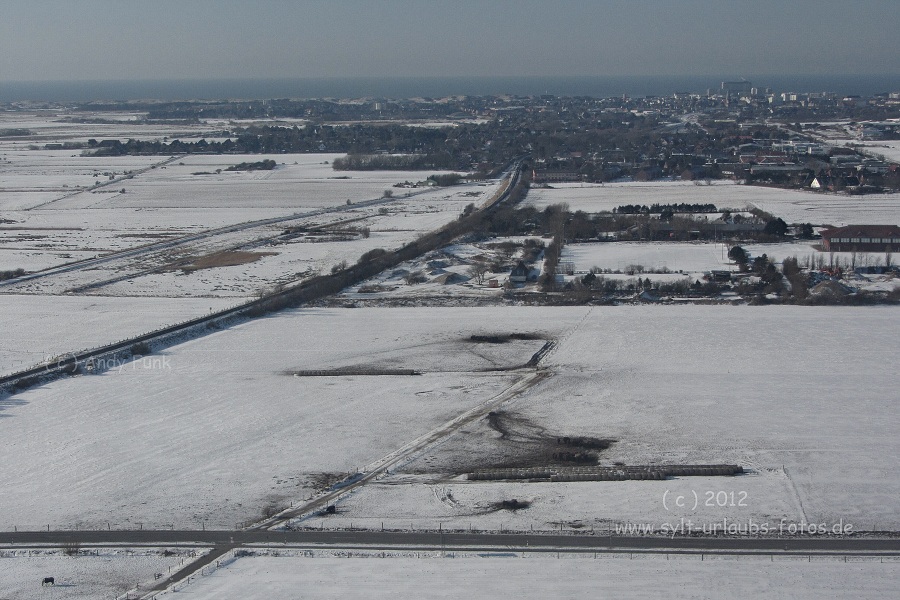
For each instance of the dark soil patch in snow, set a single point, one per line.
(351, 371)
(225, 258)
(513, 504)
(506, 439)
(503, 338)
(526, 444)
(321, 482)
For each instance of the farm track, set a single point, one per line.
(108, 183)
(406, 453)
(301, 293)
(147, 251)
(531, 377)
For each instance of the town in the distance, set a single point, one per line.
(640, 343)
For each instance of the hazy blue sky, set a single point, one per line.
(162, 39)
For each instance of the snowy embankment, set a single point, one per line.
(38, 329)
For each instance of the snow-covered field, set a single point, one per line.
(888, 150)
(36, 330)
(539, 576)
(390, 223)
(58, 207)
(299, 181)
(686, 386)
(695, 258)
(216, 429)
(618, 256)
(108, 574)
(791, 205)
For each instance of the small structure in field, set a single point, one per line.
(519, 273)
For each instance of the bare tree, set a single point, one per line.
(477, 272)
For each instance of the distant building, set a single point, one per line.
(737, 88)
(862, 238)
(519, 274)
(556, 176)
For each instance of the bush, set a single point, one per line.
(415, 277)
(4, 275)
(372, 255)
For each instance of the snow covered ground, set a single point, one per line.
(675, 256)
(59, 206)
(389, 224)
(217, 429)
(106, 574)
(36, 330)
(299, 181)
(173, 200)
(537, 576)
(808, 415)
(791, 205)
(888, 150)
(695, 258)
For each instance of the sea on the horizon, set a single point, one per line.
(429, 87)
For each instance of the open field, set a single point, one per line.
(540, 576)
(688, 257)
(623, 374)
(37, 330)
(287, 257)
(218, 429)
(107, 574)
(299, 181)
(172, 200)
(791, 205)
(209, 453)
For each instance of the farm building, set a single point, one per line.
(862, 238)
(519, 274)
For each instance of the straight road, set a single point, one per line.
(377, 540)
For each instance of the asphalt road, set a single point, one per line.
(461, 541)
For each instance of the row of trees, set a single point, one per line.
(655, 209)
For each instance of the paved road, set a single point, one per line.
(461, 541)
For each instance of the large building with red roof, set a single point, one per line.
(862, 238)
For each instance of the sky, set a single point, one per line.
(65, 40)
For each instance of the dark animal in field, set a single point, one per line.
(48, 581)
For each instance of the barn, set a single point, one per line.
(862, 238)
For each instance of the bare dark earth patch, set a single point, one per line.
(505, 439)
(321, 482)
(350, 371)
(224, 258)
(512, 504)
(503, 338)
